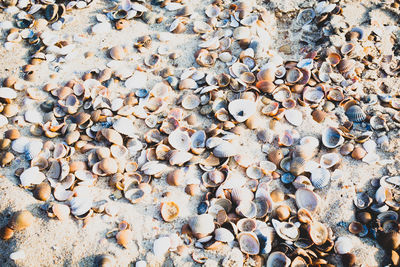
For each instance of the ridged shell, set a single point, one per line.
(297, 166)
(320, 177)
(355, 113)
(179, 140)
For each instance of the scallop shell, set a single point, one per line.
(248, 243)
(31, 176)
(278, 258)
(355, 113)
(286, 230)
(320, 177)
(179, 140)
(332, 138)
(306, 198)
(241, 109)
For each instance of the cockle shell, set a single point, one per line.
(343, 245)
(278, 258)
(286, 230)
(124, 126)
(355, 113)
(241, 109)
(332, 138)
(329, 160)
(179, 140)
(320, 177)
(202, 225)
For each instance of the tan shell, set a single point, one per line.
(176, 177)
(202, 225)
(169, 211)
(21, 220)
(117, 52)
(42, 191)
(124, 237)
(305, 198)
(112, 136)
(318, 233)
(61, 211)
(6, 233)
(108, 165)
(248, 243)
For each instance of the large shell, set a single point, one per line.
(306, 198)
(332, 138)
(355, 113)
(320, 177)
(80, 204)
(248, 243)
(286, 230)
(31, 176)
(19, 144)
(278, 258)
(179, 140)
(202, 225)
(241, 109)
(343, 245)
(294, 117)
(153, 167)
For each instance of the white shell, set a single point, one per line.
(223, 235)
(137, 80)
(161, 246)
(80, 204)
(31, 176)
(277, 258)
(241, 109)
(7, 93)
(19, 144)
(294, 117)
(124, 126)
(331, 138)
(306, 198)
(320, 177)
(3, 120)
(343, 245)
(330, 159)
(33, 116)
(33, 148)
(225, 149)
(179, 140)
(202, 224)
(153, 167)
(103, 27)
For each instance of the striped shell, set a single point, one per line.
(355, 113)
(320, 177)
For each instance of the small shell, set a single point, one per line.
(297, 166)
(179, 140)
(362, 200)
(190, 102)
(318, 233)
(117, 52)
(306, 198)
(246, 209)
(332, 138)
(355, 228)
(224, 150)
(7, 93)
(358, 153)
(286, 230)
(112, 136)
(319, 115)
(61, 211)
(293, 75)
(278, 259)
(31, 176)
(169, 211)
(202, 225)
(320, 177)
(248, 243)
(343, 245)
(329, 160)
(42, 191)
(108, 165)
(241, 109)
(19, 144)
(80, 205)
(355, 113)
(124, 126)
(124, 237)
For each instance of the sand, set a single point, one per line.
(50, 242)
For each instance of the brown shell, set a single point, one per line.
(358, 153)
(266, 75)
(124, 237)
(169, 211)
(282, 212)
(355, 228)
(265, 86)
(42, 191)
(318, 115)
(6, 233)
(275, 156)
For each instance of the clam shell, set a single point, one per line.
(329, 160)
(124, 237)
(297, 166)
(169, 211)
(362, 200)
(248, 243)
(247, 209)
(294, 117)
(61, 211)
(343, 245)
(161, 246)
(318, 233)
(33, 148)
(117, 52)
(179, 140)
(332, 138)
(246, 225)
(80, 205)
(320, 177)
(112, 136)
(293, 75)
(307, 199)
(7, 93)
(223, 235)
(313, 95)
(241, 109)
(355, 113)
(21, 220)
(179, 157)
(153, 167)
(286, 230)
(19, 144)
(202, 225)
(124, 126)
(31, 176)
(277, 258)
(224, 150)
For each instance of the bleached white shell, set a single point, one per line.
(19, 144)
(153, 167)
(103, 27)
(330, 159)
(320, 177)
(343, 245)
(7, 93)
(137, 80)
(124, 126)
(294, 117)
(34, 116)
(179, 157)
(33, 148)
(80, 204)
(31, 176)
(223, 235)
(161, 246)
(179, 140)
(241, 109)
(225, 149)
(3, 120)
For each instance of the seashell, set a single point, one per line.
(108, 166)
(248, 243)
(346, 149)
(302, 181)
(201, 27)
(118, 152)
(190, 102)
(332, 138)
(161, 246)
(307, 199)
(275, 156)
(7, 158)
(355, 228)
(346, 65)
(286, 230)
(282, 212)
(105, 261)
(299, 262)
(179, 140)
(153, 168)
(304, 17)
(117, 52)
(343, 245)
(241, 33)
(112, 136)
(378, 123)
(333, 59)
(31, 176)
(247, 77)
(19, 144)
(80, 205)
(278, 258)
(282, 93)
(318, 115)
(318, 233)
(6, 233)
(124, 126)
(223, 235)
(61, 211)
(266, 86)
(192, 189)
(304, 216)
(21, 220)
(347, 48)
(188, 84)
(176, 177)
(177, 27)
(267, 74)
(355, 113)
(320, 177)
(169, 211)
(241, 109)
(294, 117)
(362, 200)
(313, 95)
(224, 150)
(42, 191)
(179, 157)
(356, 33)
(202, 225)
(12, 134)
(358, 153)
(297, 166)
(152, 60)
(7, 93)
(246, 209)
(293, 75)
(124, 237)
(329, 160)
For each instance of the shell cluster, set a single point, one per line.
(188, 130)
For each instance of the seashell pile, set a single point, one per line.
(240, 149)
